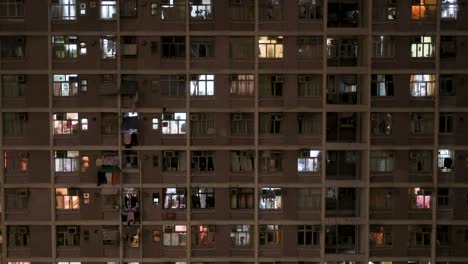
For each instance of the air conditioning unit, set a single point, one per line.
(21, 78)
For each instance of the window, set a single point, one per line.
(203, 198)
(108, 47)
(18, 236)
(309, 161)
(447, 85)
(380, 236)
(381, 124)
(65, 123)
(382, 85)
(270, 198)
(172, 10)
(202, 161)
(381, 161)
(203, 235)
(64, 9)
(13, 85)
(422, 85)
(12, 48)
(155, 123)
(174, 123)
(386, 11)
(270, 10)
(67, 199)
(174, 198)
(271, 161)
(242, 85)
(308, 198)
(172, 85)
(270, 123)
(82, 9)
(14, 124)
(422, 123)
(309, 48)
(12, 9)
(65, 47)
(84, 124)
(66, 161)
(202, 124)
(310, 9)
(309, 85)
(384, 47)
(175, 235)
(381, 199)
(201, 10)
(202, 85)
(84, 163)
(241, 10)
(242, 48)
(129, 46)
(83, 50)
(153, 9)
(242, 124)
(269, 235)
(242, 198)
(173, 47)
(448, 47)
(65, 84)
(68, 236)
(342, 51)
(423, 9)
(310, 124)
(308, 235)
(128, 8)
(419, 236)
(174, 161)
(422, 47)
(271, 85)
(240, 235)
(446, 123)
(17, 199)
(445, 160)
(443, 198)
(242, 161)
(15, 162)
(270, 47)
(420, 161)
(420, 198)
(108, 9)
(449, 9)
(202, 47)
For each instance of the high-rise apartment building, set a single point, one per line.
(234, 131)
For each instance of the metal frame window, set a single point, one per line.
(66, 199)
(449, 9)
(240, 235)
(172, 10)
(13, 85)
(15, 162)
(309, 48)
(174, 235)
(174, 161)
(271, 85)
(446, 123)
(269, 235)
(447, 85)
(202, 47)
(445, 160)
(310, 9)
(66, 161)
(64, 9)
(270, 10)
(174, 123)
(382, 124)
(308, 198)
(65, 84)
(422, 85)
(202, 85)
(12, 9)
(242, 124)
(309, 85)
(380, 236)
(242, 161)
(420, 161)
(423, 9)
(65, 47)
(203, 198)
(16, 200)
(172, 85)
(270, 123)
(68, 236)
(12, 48)
(203, 161)
(419, 236)
(66, 123)
(383, 47)
(241, 48)
(422, 47)
(174, 198)
(381, 199)
(270, 47)
(443, 198)
(308, 235)
(202, 124)
(242, 85)
(309, 124)
(108, 47)
(201, 10)
(382, 161)
(14, 124)
(382, 85)
(422, 123)
(18, 236)
(241, 10)
(271, 161)
(309, 161)
(270, 198)
(108, 9)
(386, 11)
(203, 235)
(242, 198)
(421, 198)
(128, 8)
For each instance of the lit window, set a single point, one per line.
(65, 123)
(108, 9)
(242, 85)
(175, 235)
(422, 85)
(65, 84)
(84, 85)
(381, 124)
(173, 10)
(174, 198)
(423, 9)
(64, 9)
(445, 160)
(174, 123)
(380, 236)
(108, 47)
(422, 47)
(65, 47)
(66, 161)
(83, 50)
(449, 9)
(270, 47)
(420, 198)
(84, 163)
(82, 9)
(382, 85)
(200, 9)
(270, 198)
(269, 235)
(240, 235)
(309, 161)
(202, 85)
(203, 235)
(155, 123)
(66, 199)
(153, 9)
